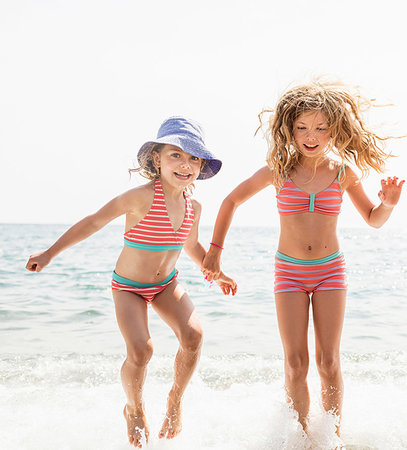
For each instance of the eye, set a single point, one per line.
(300, 128)
(322, 129)
(175, 155)
(195, 158)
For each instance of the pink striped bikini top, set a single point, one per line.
(293, 200)
(155, 231)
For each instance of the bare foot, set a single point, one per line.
(136, 425)
(172, 424)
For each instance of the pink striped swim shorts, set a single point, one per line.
(298, 275)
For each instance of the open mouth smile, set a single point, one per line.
(182, 176)
(310, 147)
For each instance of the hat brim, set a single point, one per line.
(192, 147)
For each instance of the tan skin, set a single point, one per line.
(177, 170)
(308, 236)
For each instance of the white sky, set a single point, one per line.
(83, 83)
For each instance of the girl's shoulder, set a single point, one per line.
(196, 206)
(140, 191)
(347, 176)
(139, 197)
(265, 175)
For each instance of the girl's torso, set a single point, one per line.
(309, 205)
(153, 239)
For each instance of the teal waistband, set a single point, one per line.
(308, 261)
(151, 248)
(133, 283)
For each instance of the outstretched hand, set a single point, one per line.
(391, 191)
(38, 261)
(227, 284)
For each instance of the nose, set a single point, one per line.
(311, 134)
(185, 162)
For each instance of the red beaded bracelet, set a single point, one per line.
(216, 245)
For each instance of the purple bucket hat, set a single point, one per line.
(188, 136)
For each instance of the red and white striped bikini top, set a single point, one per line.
(293, 200)
(155, 232)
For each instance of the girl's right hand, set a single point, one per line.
(211, 266)
(38, 261)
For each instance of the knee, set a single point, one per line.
(139, 353)
(329, 365)
(296, 367)
(191, 339)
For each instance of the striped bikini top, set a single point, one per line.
(293, 200)
(155, 232)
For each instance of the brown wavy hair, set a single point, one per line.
(351, 140)
(147, 168)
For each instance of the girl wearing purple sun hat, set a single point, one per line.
(188, 136)
(161, 219)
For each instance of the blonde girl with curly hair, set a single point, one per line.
(311, 123)
(161, 220)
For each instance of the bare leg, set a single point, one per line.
(292, 315)
(176, 309)
(131, 313)
(328, 312)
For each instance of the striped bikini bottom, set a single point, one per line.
(298, 275)
(145, 290)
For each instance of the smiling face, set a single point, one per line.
(311, 133)
(177, 166)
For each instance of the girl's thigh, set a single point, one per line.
(131, 314)
(293, 317)
(328, 308)
(175, 307)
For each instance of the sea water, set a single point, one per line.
(61, 350)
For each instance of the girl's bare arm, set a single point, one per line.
(260, 180)
(197, 252)
(192, 246)
(84, 228)
(374, 215)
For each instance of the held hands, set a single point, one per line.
(390, 192)
(211, 269)
(227, 284)
(211, 265)
(38, 261)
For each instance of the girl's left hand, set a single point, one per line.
(391, 191)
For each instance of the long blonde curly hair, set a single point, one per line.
(350, 138)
